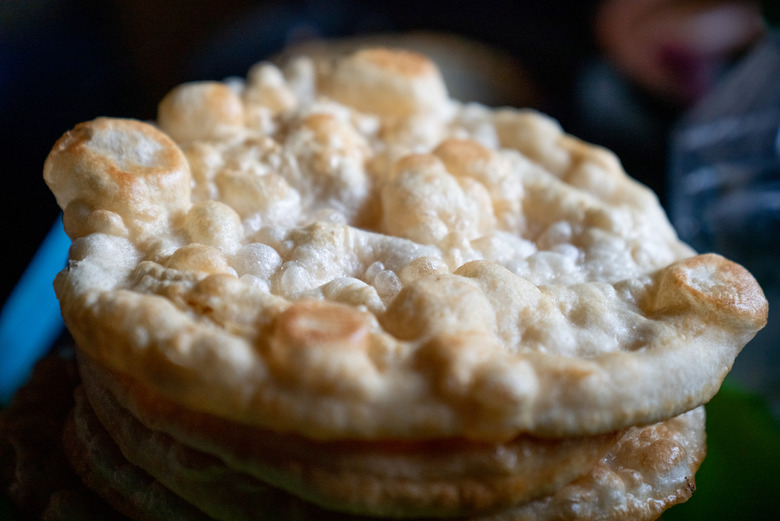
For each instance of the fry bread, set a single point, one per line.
(331, 287)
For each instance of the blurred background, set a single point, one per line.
(627, 74)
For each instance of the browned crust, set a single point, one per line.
(448, 477)
(649, 470)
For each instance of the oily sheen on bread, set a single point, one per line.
(337, 254)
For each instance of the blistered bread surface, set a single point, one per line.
(343, 251)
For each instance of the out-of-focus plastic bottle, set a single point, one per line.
(724, 193)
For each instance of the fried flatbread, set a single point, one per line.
(441, 478)
(648, 470)
(334, 283)
(330, 275)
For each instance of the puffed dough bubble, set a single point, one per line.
(199, 258)
(267, 88)
(424, 203)
(321, 345)
(215, 224)
(125, 167)
(200, 111)
(422, 267)
(387, 83)
(256, 259)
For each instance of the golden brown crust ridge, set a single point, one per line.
(720, 288)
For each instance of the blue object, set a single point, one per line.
(30, 320)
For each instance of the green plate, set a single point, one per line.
(740, 477)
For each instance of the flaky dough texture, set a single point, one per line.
(346, 252)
